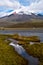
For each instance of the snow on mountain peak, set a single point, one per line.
(23, 11)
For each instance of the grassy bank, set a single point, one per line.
(8, 55)
(35, 50)
(25, 29)
(26, 38)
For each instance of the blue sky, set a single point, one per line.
(7, 6)
(24, 2)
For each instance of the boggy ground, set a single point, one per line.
(26, 38)
(35, 50)
(8, 55)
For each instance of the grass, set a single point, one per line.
(33, 23)
(26, 38)
(35, 50)
(8, 55)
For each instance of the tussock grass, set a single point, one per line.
(8, 55)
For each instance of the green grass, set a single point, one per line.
(26, 38)
(35, 50)
(8, 55)
(33, 23)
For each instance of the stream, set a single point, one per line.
(21, 51)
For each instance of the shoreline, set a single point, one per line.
(21, 28)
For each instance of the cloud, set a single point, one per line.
(6, 13)
(34, 6)
(32, 0)
(9, 3)
(3, 14)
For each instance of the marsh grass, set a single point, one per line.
(35, 50)
(8, 55)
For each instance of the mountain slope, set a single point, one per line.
(19, 20)
(18, 17)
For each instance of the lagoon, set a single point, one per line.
(28, 32)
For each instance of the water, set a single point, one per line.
(30, 32)
(21, 31)
(20, 50)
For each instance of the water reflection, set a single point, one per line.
(25, 32)
(20, 50)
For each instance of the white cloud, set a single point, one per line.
(5, 13)
(36, 7)
(9, 3)
(2, 14)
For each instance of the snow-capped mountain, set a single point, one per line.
(20, 15)
(11, 19)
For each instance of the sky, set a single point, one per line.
(9, 6)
